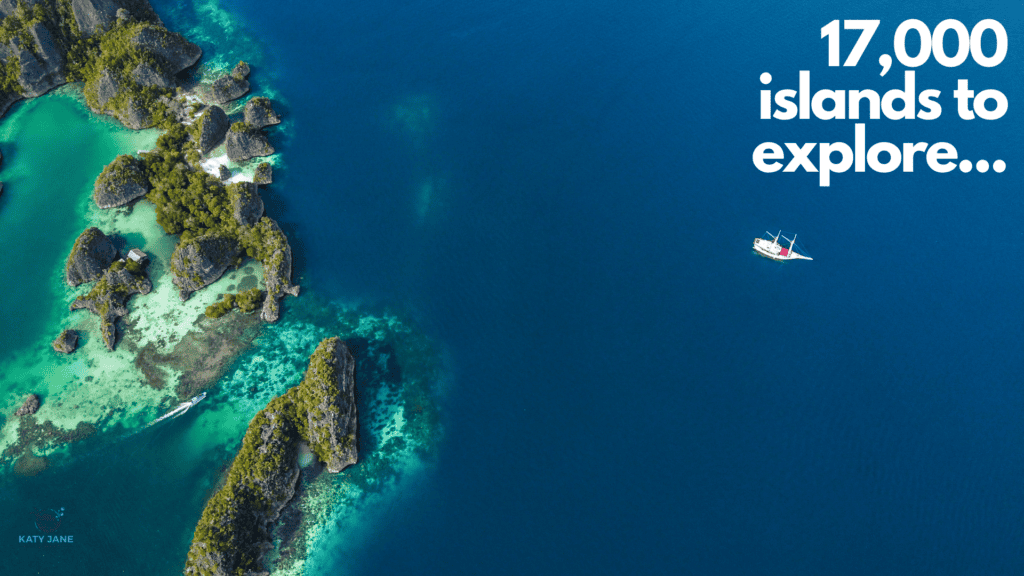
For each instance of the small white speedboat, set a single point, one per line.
(772, 249)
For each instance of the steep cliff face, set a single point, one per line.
(201, 261)
(92, 16)
(230, 86)
(119, 48)
(246, 203)
(259, 113)
(327, 397)
(108, 298)
(244, 142)
(120, 182)
(275, 254)
(233, 533)
(209, 129)
(90, 256)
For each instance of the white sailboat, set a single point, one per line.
(772, 249)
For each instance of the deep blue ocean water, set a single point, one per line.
(564, 194)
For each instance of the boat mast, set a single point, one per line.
(791, 243)
(776, 239)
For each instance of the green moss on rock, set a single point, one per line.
(234, 529)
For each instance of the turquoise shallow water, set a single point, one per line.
(131, 495)
(564, 194)
(53, 150)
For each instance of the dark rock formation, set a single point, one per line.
(170, 48)
(199, 262)
(246, 204)
(66, 342)
(327, 397)
(146, 75)
(107, 87)
(120, 182)
(259, 113)
(30, 406)
(41, 65)
(264, 174)
(134, 115)
(94, 16)
(91, 254)
(108, 299)
(138, 64)
(240, 71)
(209, 129)
(223, 173)
(277, 269)
(230, 86)
(39, 43)
(234, 531)
(244, 142)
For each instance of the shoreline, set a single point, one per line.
(170, 350)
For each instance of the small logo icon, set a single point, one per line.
(48, 521)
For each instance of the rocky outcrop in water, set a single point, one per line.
(264, 174)
(93, 16)
(121, 182)
(108, 299)
(246, 204)
(199, 262)
(234, 531)
(41, 63)
(327, 399)
(209, 129)
(91, 254)
(146, 75)
(244, 142)
(143, 55)
(259, 113)
(66, 342)
(30, 406)
(230, 86)
(276, 256)
(170, 49)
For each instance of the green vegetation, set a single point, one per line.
(258, 481)
(16, 26)
(240, 71)
(188, 201)
(248, 302)
(114, 51)
(319, 391)
(240, 126)
(218, 309)
(263, 174)
(258, 472)
(85, 239)
(193, 203)
(125, 169)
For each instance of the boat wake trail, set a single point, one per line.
(181, 409)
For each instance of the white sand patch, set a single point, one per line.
(212, 165)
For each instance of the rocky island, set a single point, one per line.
(91, 254)
(120, 49)
(108, 298)
(234, 531)
(134, 69)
